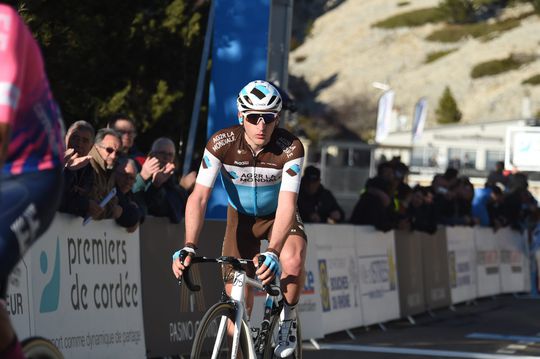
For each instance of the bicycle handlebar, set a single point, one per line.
(235, 262)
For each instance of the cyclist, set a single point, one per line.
(260, 167)
(31, 155)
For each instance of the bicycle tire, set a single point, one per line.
(272, 338)
(40, 348)
(205, 337)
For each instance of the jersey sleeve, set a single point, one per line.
(292, 170)
(13, 48)
(209, 169)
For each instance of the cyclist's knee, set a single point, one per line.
(292, 263)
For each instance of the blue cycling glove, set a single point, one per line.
(272, 262)
(184, 252)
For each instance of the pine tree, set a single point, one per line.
(447, 111)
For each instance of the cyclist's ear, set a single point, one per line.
(240, 118)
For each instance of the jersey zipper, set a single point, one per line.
(255, 204)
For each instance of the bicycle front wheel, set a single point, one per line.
(209, 340)
(272, 340)
(40, 348)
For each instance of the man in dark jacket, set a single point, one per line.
(163, 194)
(78, 176)
(316, 203)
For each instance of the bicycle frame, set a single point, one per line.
(237, 297)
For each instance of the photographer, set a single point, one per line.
(163, 194)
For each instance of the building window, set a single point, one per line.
(492, 157)
(424, 157)
(461, 158)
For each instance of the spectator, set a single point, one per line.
(375, 206)
(316, 203)
(77, 174)
(420, 211)
(486, 206)
(518, 202)
(497, 175)
(133, 209)
(455, 208)
(162, 192)
(125, 127)
(104, 156)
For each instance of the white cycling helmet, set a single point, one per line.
(260, 96)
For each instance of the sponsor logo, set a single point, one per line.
(233, 175)
(222, 139)
(325, 291)
(50, 296)
(258, 178)
(206, 162)
(309, 285)
(241, 163)
(294, 170)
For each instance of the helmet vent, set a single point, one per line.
(258, 93)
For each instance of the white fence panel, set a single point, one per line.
(462, 263)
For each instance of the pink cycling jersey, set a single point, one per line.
(26, 102)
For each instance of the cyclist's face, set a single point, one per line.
(259, 134)
(108, 150)
(81, 141)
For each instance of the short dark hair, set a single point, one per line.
(120, 116)
(102, 132)
(312, 173)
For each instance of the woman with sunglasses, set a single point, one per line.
(260, 166)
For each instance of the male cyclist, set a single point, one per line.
(260, 167)
(31, 155)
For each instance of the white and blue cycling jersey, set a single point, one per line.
(252, 181)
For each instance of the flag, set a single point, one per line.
(384, 115)
(419, 120)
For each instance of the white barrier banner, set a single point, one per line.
(376, 255)
(18, 299)
(461, 263)
(86, 290)
(515, 274)
(339, 277)
(487, 262)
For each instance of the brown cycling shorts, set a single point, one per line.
(243, 237)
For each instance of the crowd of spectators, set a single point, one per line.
(388, 202)
(107, 177)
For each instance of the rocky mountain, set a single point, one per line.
(333, 70)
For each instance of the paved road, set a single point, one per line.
(500, 327)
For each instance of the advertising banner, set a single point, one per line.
(461, 263)
(487, 262)
(384, 115)
(514, 261)
(436, 277)
(339, 276)
(86, 290)
(171, 312)
(239, 55)
(19, 298)
(378, 274)
(410, 273)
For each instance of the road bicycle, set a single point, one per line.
(253, 342)
(34, 347)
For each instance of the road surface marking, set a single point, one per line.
(513, 338)
(412, 351)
